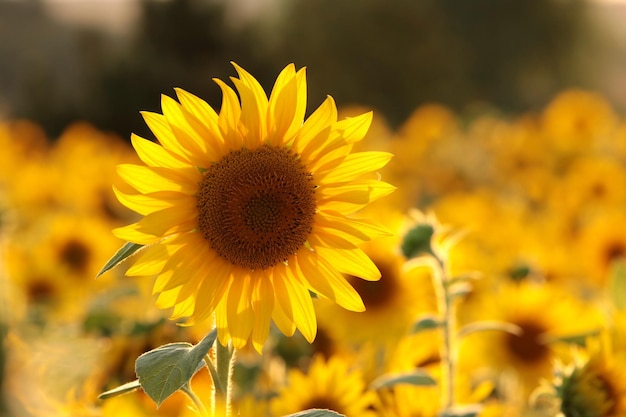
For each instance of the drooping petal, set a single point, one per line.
(348, 261)
(299, 302)
(262, 306)
(239, 310)
(325, 280)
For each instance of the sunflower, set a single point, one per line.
(248, 210)
(328, 384)
(392, 303)
(544, 315)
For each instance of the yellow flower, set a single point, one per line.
(392, 303)
(248, 210)
(327, 385)
(544, 315)
(595, 389)
(576, 120)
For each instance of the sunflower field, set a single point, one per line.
(500, 248)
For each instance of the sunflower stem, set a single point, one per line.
(196, 401)
(225, 361)
(446, 304)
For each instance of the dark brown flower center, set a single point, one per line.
(75, 254)
(256, 207)
(323, 403)
(528, 346)
(377, 294)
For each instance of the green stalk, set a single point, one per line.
(196, 401)
(447, 350)
(224, 361)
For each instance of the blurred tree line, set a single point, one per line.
(390, 55)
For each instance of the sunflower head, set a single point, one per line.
(249, 209)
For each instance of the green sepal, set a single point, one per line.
(166, 369)
(122, 389)
(316, 412)
(418, 377)
(122, 253)
(426, 322)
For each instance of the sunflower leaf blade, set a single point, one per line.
(426, 322)
(316, 412)
(166, 369)
(122, 253)
(418, 377)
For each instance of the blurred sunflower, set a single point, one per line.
(53, 260)
(601, 242)
(248, 210)
(591, 183)
(544, 314)
(421, 351)
(595, 388)
(327, 384)
(391, 303)
(576, 120)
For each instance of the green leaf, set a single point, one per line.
(124, 252)
(417, 377)
(122, 389)
(471, 410)
(426, 322)
(481, 326)
(617, 283)
(164, 370)
(316, 412)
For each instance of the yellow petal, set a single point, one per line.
(149, 180)
(348, 261)
(198, 107)
(155, 155)
(148, 203)
(352, 166)
(196, 149)
(350, 197)
(214, 287)
(287, 106)
(181, 218)
(160, 127)
(327, 281)
(254, 105)
(360, 228)
(263, 306)
(221, 322)
(284, 323)
(239, 310)
(149, 261)
(299, 299)
(131, 233)
(228, 119)
(317, 127)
